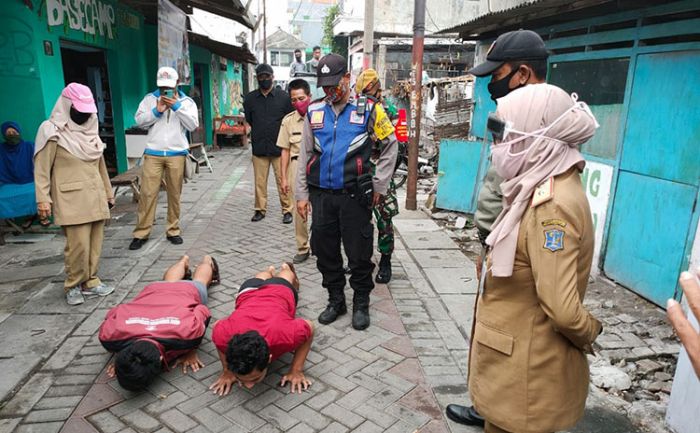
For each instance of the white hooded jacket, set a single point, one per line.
(167, 130)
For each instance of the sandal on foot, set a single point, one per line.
(215, 277)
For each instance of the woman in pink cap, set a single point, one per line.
(72, 184)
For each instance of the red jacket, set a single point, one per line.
(169, 313)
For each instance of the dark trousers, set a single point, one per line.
(337, 217)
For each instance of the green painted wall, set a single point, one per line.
(32, 79)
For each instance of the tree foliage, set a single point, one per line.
(335, 44)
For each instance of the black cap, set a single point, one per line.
(264, 68)
(331, 68)
(515, 45)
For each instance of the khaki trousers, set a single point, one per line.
(155, 168)
(300, 228)
(492, 428)
(261, 168)
(82, 254)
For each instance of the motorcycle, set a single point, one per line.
(426, 166)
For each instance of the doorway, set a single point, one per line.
(88, 65)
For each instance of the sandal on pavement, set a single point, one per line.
(215, 276)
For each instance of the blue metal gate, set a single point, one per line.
(649, 235)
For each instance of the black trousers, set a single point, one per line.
(336, 217)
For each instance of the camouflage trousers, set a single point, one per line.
(383, 213)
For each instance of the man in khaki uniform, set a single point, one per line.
(288, 140)
(528, 366)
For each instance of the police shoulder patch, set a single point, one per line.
(554, 240)
(357, 119)
(317, 119)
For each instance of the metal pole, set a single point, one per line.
(416, 101)
(264, 31)
(368, 36)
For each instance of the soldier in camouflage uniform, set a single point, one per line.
(368, 84)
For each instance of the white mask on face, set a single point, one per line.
(509, 164)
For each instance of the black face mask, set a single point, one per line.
(78, 117)
(265, 84)
(499, 89)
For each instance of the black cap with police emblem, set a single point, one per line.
(515, 45)
(331, 68)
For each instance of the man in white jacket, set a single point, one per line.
(168, 114)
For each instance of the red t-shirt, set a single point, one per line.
(170, 313)
(269, 310)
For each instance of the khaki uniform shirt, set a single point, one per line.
(528, 366)
(77, 189)
(290, 133)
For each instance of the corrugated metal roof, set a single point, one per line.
(517, 16)
(240, 54)
(232, 9)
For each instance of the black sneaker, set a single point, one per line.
(175, 240)
(287, 218)
(257, 216)
(137, 243)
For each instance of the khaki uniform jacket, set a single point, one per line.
(528, 367)
(290, 133)
(77, 189)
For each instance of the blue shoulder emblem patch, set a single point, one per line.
(554, 240)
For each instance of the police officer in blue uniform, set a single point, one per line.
(336, 185)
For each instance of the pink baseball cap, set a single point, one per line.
(81, 97)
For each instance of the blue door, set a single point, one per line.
(654, 210)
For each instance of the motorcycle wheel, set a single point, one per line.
(400, 174)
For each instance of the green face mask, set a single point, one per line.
(13, 139)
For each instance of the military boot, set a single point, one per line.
(336, 307)
(360, 311)
(384, 272)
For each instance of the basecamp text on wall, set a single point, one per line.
(89, 16)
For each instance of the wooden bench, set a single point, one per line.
(230, 125)
(130, 178)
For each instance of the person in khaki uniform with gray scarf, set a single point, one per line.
(71, 183)
(528, 366)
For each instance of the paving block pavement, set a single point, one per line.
(397, 376)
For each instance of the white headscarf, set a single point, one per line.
(82, 141)
(552, 126)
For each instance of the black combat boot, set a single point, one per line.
(360, 311)
(384, 272)
(336, 307)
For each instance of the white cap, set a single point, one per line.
(166, 77)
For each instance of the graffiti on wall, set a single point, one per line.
(87, 16)
(214, 74)
(17, 56)
(226, 86)
(236, 89)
